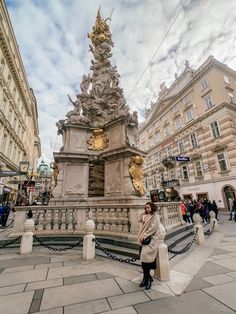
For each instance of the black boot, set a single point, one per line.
(143, 283)
(149, 281)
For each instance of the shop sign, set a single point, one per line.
(182, 158)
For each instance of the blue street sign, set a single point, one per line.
(182, 158)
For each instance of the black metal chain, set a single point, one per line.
(57, 249)
(7, 243)
(186, 247)
(119, 259)
(209, 232)
(5, 227)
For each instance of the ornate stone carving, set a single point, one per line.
(54, 166)
(98, 140)
(136, 173)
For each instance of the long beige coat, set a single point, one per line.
(149, 252)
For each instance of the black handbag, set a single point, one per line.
(147, 240)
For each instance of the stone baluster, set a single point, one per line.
(162, 271)
(48, 220)
(106, 226)
(26, 244)
(113, 220)
(200, 238)
(69, 219)
(41, 220)
(63, 219)
(100, 219)
(165, 216)
(74, 220)
(81, 219)
(125, 212)
(55, 220)
(119, 220)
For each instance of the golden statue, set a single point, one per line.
(136, 173)
(54, 166)
(98, 140)
(100, 31)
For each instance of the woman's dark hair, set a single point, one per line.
(152, 205)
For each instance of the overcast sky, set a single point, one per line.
(52, 37)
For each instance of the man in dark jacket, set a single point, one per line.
(5, 213)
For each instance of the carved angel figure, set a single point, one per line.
(84, 86)
(136, 173)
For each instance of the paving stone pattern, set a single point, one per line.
(62, 283)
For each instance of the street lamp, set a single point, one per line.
(24, 166)
(23, 169)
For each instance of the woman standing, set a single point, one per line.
(148, 239)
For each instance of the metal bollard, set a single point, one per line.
(162, 271)
(89, 241)
(26, 244)
(200, 238)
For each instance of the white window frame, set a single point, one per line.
(185, 172)
(177, 123)
(181, 144)
(208, 102)
(204, 83)
(186, 99)
(189, 115)
(198, 166)
(158, 136)
(193, 140)
(169, 151)
(226, 79)
(215, 129)
(166, 131)
(231, 97)
(224, 159)
(175, 108)
(173, 174)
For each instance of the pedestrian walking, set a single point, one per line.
(148, 240)
(183, 208)
(215, 208)
(231, 208)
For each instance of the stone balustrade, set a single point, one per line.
(117, 220)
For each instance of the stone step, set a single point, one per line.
(124, 247)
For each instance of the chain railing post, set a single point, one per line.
(200, 238)
(26, 244)
(89, 241)
(214, 222)
(162, 271)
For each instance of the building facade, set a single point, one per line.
(19, 131)
(189, 134)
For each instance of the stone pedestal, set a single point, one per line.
(214, 222)
(76, 161)
(89, 241)
(162, 271)
(200, 238)
(26, 244)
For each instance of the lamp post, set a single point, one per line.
(23, 169)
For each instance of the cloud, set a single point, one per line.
(52, 37)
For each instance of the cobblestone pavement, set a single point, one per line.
(202, 281)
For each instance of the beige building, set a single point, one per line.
(189, 134)
(19, 132)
